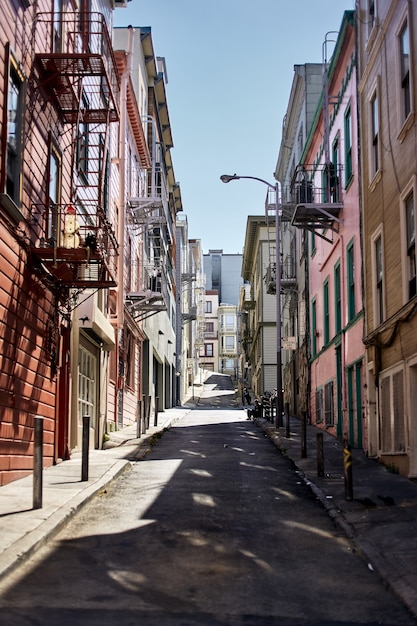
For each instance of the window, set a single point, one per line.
(228, 321)
(326, 320)
(329, 404)
(58, 23)
(350, 281)
(314, 327)
(54, 194)
(371, 21)
(87, 365)
(337, 300)
(208, 306)
(379, 282)
(13, 121)
(404, 44)
(210, 327)
(334, 179)
(319, 406)
(392, 412)
(411, 244)
(374, 130)
(208, 350)
(130, 361)
(229, 343)
(348, 146)
(82, 144)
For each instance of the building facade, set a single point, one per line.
(306, 91)
(60, 112)
(259, 328)
(328, 180)
(209, 359)
(223, 273)
(387, 46)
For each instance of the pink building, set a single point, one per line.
(327, 188)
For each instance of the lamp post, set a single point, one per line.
(226, 178)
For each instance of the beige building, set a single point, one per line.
(260, 326)
(387, 46)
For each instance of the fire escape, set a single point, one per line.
(73, 244)
(149, 215)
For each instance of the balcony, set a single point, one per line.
(153, 297)
(316, 194)
(288, 277)
(77, 55)
(73, 246)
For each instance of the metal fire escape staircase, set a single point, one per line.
(149, 217)
(73, 243)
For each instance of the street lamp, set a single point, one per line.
(226, 178)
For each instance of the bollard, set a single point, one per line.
(139, 419)
(304, 435)
(37, 462)
(347, 465)
(155, 417)
(144, 411)
(320, 455)
(85, 449)
(287, 420)
(148, 412)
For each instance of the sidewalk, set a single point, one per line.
(381, 519)
(23, 530)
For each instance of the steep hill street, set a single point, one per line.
(214, 527)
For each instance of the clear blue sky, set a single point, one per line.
(230, 66)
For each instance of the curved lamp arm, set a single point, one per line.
(226, 178)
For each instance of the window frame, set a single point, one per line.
(326, 312)
(338, 323)
(314, 327)
(405, 87)
(350, 280)
(348, 136)
(52, 216)
(378, 282)
(374, 134)
(409, 190)
(13, 190)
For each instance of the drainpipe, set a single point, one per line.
(122, 177)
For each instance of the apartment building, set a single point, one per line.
(60, 110)
(87, 217)
(387, 85)
(209, 360)
(306, 92)
(328, 180)
(144, 306)
(259, 303)
(223, 273)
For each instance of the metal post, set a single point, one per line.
(37, 462)
(347, 465)
(287, 420)
(139, 419)
(304, 435)
(226, 178)
(278, 417)
(320, 455)
(144, 412)
(155, 419)
(148, 412)
(85, 447)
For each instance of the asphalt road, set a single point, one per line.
(214, 528)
